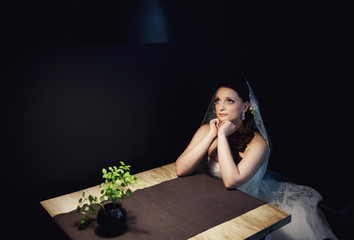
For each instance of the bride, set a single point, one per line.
(237, 146)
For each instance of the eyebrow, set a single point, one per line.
(227, 98)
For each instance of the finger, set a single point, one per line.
(215, 120)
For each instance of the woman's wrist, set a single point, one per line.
(212, 136)
(221, 134)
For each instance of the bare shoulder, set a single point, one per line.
(257, 147)
(259, 138)
(259, 141)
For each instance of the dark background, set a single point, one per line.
(81, 92)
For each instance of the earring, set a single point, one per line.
(243, 117)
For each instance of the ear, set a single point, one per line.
(246, 105)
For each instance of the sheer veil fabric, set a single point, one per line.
(301, 201)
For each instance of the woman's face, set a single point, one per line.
(228, 105)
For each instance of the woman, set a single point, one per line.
(234, 139)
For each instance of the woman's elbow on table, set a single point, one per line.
(180, 171)
(230, 185)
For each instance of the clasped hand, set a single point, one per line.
(224, 128)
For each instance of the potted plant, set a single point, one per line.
(111, 215)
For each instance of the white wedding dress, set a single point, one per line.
(307, 221)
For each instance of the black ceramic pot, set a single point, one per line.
(111, 220)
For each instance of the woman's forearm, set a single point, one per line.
(229, 170)
(187, 162)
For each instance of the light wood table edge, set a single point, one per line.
(249, 225)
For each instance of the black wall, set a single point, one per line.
(76, 101)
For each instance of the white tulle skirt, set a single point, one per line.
(307, 221)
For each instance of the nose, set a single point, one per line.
(222, 106)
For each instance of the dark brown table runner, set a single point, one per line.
(175, 209)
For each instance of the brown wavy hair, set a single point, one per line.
(245, 133)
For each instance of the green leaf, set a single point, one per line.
(104, 171)
(91, 198)
(83, 194)
(118, 183)
(80, 200)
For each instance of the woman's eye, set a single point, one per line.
(230, 101)
(217, 100)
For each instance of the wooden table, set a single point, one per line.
(254, 224)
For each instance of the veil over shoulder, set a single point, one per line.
(301, 201)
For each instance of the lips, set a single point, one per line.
(222, 114)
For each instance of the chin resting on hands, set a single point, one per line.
(226, 128)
